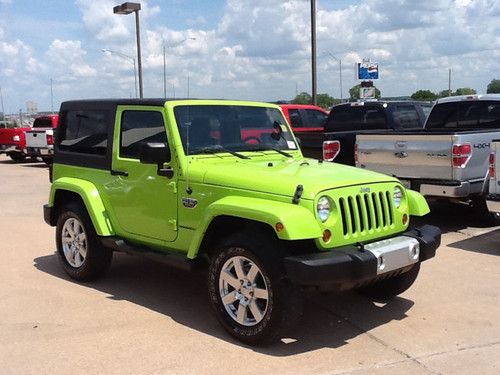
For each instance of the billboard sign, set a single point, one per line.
(367, 70)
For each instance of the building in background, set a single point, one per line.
(31, 107)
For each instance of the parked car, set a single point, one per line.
(13, 141)
(268, 221)
(345, 121)
(449, 158)
(40, 139)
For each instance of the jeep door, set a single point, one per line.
(144, 203)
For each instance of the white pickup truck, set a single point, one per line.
(40, 139)
(448, 158)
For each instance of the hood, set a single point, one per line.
(281, 176)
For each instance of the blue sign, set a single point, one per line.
(367, 70)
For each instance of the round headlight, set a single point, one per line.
(398, 196)
(323, 208)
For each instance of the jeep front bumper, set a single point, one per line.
(354, 265)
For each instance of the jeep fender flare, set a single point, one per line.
(91, 199)
(298, 222)
(417, 205)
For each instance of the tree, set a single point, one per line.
(354, 92)
(323, 100)
(326, 101)
(464, 91)
(424, 95)
(302, 98)
(493, 87)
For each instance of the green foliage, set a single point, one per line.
(493, 87)
(324, 100)
(464, 91)
(424, 95)
(302, 98)
(354, 92)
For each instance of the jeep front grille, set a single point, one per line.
(366, 212)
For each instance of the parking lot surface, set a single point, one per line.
(147, 318)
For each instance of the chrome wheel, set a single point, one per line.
(243, 291)
(74, 242)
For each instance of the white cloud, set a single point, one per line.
(260, 49)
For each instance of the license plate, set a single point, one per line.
(406, 183)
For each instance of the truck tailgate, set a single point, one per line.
(36, 138)
(407, 155)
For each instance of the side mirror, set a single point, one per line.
(155, 153)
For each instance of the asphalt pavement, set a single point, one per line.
(147, 318)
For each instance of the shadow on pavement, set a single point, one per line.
(487, 243)
(451, 217)
(329, 320)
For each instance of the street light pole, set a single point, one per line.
(130, 58)
(340, 75)
(313, 52)
(165, 63)
(127, 8)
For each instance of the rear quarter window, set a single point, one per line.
(84, 132)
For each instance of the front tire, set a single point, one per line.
(248, 292)
(387, 289)
(79, 249)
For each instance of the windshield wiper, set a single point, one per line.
(270, 148)
(216, 150)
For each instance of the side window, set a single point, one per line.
(406, 116)
(139, 127)
(315, 119)
(84, 132)
(295, 118)
(443, 115)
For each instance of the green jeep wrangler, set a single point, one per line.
(224, 182)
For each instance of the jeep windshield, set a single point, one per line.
(232, 128)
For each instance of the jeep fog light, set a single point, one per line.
(398, 196)
(323, 208)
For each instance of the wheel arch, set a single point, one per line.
(231, 214)
(67, 189)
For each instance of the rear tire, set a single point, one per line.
(80, 251)
(386, 289)
(47, 160)
(17, 157)
(247, 291)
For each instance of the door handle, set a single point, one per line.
(114, 172)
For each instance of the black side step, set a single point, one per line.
(172, 259)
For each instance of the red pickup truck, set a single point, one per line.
(13, 142)
(40, 139)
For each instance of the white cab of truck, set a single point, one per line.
(40, 139)
(449, 158)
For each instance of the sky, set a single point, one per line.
(241, 49)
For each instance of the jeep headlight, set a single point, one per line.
(323, 208)
(398, 196)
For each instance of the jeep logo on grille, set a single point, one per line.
(365, 190)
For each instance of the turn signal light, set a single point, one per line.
(330, 150)
(327, 235)
(405, 219)
(461, 155)
(279, 227)
(50, 139)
